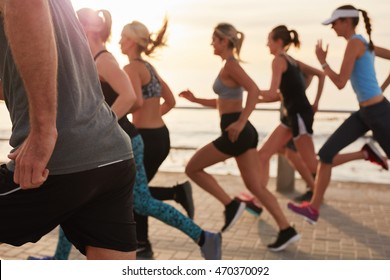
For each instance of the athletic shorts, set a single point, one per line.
(94, 208)
(247, 139)
(299, 123)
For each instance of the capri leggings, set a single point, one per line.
(145, 204)
(157, 145)
(375, 118)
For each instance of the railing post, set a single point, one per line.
(285, 178)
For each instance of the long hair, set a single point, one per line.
(236, 38)
(99, 22)
(147, 42)
(355, 22)
(281, 32)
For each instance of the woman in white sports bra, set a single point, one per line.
(238, 137)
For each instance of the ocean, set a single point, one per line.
(192, 128)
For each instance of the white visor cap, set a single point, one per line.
(341, 14)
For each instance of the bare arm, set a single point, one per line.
(137, 85)
(309, 72)
(187, 94)
(279, 65)
(237, 73)
(110, 71)
(167, 95)
(382, 52)
(385, 83)
(29, 30)
(354, 49)
(1, 91)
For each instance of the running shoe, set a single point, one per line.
(212, 247)
(304, 197)
(144, 250)
(7, 184)
(43, 258)
(251, 205)
(233, 211)
(374, 156)
(285, 238)
(184, 198)
(304, 209)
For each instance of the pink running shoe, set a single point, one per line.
(310, 214)
(373, 155)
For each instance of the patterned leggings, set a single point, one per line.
(145, 204)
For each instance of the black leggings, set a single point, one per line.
(156, 149)
(375, 118)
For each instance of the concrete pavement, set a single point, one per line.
(354, 224)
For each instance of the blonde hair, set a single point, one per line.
(147, 42)
(98, 21)
(226, 30)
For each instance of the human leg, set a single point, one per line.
(181, 193)
(249, 165)
(272, 144)
(352, 128)
(195, 169)
(155, 149)
(94, 208)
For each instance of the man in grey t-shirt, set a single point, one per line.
(71, 164)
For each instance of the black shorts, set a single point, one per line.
(299, 123)
(247, 139)
(94, 208)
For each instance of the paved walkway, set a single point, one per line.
(354, 224)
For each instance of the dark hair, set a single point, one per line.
(355, 21)
(281, 32)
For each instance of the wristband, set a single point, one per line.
(324, 65)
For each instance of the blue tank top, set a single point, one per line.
(363, 77)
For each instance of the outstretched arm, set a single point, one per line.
(109, 70)
(385, 83)
(382, 52)
(29, 30)
(309, 72)
(354, 48)
(187, 94)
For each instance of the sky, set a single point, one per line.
(188, 60)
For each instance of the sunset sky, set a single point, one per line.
(188, 61)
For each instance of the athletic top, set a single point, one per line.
(292, 87)
(88, 132)
(363, 77)
(225, 92)
(153, 88)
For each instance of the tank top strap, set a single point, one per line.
(99, 53)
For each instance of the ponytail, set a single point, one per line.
(281, 32)
(159, 41)
(368, 28)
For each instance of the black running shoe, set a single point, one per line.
(184, 198)
(233, 211)
(251, 206)
(285, 238)
(144, 251)
(304, 197)
(7, 184)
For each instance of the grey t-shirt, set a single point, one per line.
(88, 132)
